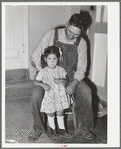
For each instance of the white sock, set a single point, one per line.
(51, 122)
(60, 120)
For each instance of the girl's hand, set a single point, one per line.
(58, 81)
(63, 84)
(46, 87)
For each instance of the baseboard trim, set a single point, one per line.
(16, 75)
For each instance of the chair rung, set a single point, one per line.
(68, 112)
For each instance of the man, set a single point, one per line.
(74, 60)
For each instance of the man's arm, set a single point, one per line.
(82, 61)
(81, 67)
(46, 41)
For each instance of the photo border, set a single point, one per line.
(112, 74)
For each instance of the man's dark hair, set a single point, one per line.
(80, 20)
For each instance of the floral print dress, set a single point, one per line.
(56, 98)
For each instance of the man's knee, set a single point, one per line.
(84, 88)
(88, 90)
(37, 93)
(83, 91)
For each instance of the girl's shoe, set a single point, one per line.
(65, 133)
(51, 131)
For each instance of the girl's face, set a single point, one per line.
(51, 60)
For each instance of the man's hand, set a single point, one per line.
(71, 87)
(46, 87)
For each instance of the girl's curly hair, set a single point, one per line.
(49, 50)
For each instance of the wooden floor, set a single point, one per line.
(19, 121)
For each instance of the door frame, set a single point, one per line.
(7, 54)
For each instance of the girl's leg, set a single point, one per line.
(62, 131)
(51, 120)
(60, 119)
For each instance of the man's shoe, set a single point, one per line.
(34, 136)
(87, 134)
(65, 133)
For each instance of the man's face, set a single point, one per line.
(72, 32)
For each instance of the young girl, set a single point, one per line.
(53, 79)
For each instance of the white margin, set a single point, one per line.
(113, 75)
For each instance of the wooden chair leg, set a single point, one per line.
(74, 115)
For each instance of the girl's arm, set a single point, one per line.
(40, 83)
(61, 80)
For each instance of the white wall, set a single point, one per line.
(43, 18)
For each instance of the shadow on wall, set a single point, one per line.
(95, 98)
(88, 81)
